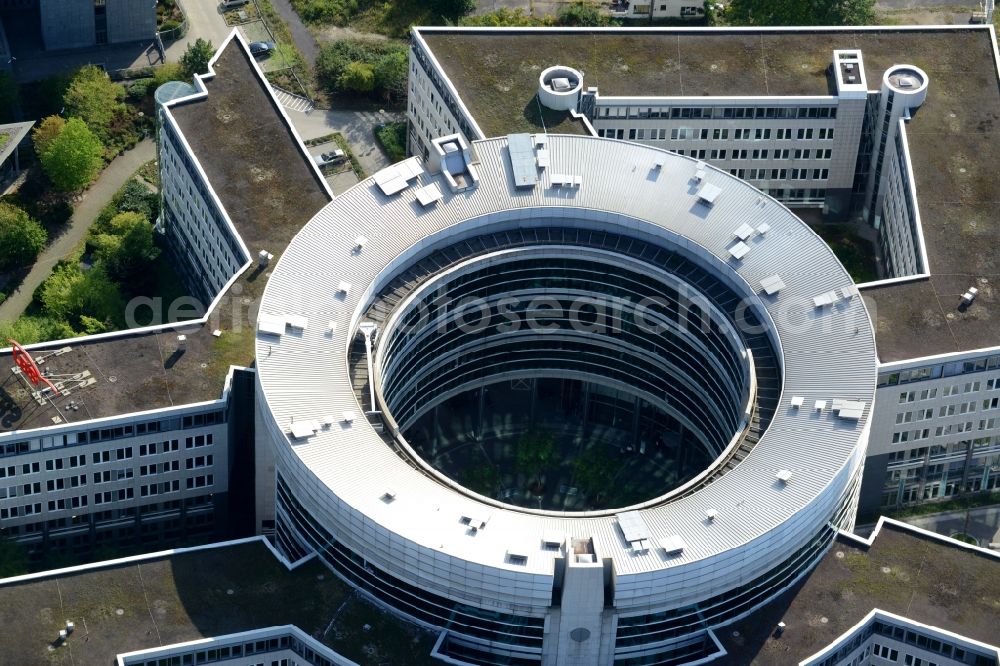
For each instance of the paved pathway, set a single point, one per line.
(356, 126)
(303, 39)
(204, 21)
(84, 214)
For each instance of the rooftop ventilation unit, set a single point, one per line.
(673, 545)
(515, 556)
(783, 475)
(303, 429)
(552, 539)
(849, 409)
(521, 151)
(711, 514)
(634, 530)
(297, 321)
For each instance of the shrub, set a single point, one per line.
(29, 329)
(136, 197)
(138, 89)
(70, 294)
(171, 71)
(393, 139)
(358, 77)
(21, 238)
(344, 67)
(127, 247)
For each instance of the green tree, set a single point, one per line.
(453, 9)
(95, 99)
(21, 238)
(196, 57)
(535, 449)
(361, 66)
(580, 14)
(13, 558)
(29, 329)
(9, 98)
(127, 248)
(594, 471)
(801, 12)
(73, 158)
(46, 131)
(391, 73)
(70, 294)
(506, 18)
(358, 77)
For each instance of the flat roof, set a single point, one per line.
(621, 191)
(266, 182)
(929, 580)
(269, 190)
(954, 138)
(196, 595)
(14, 133)
(186, 596)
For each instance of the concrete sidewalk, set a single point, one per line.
(84, 215)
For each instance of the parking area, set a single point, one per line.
(339, 174)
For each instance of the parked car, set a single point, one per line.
(329, 158)
(233, 4)
(261, 48)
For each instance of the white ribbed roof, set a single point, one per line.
(828, 353)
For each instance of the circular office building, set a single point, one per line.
(564, 400)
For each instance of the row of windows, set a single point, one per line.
(687, 133)
(781, 174)
(941, 370)
(118, 432)
(243, 648)
(111, 516)
(717, 112)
